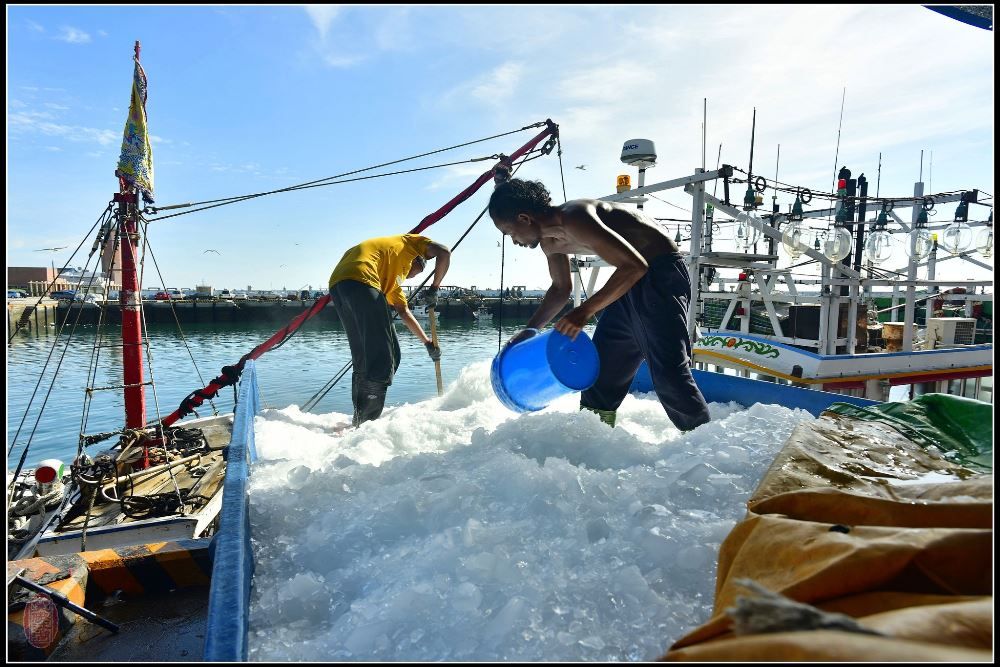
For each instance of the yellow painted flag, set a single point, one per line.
(135, 165)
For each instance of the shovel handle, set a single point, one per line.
(434, 339)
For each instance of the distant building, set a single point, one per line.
(39, 280)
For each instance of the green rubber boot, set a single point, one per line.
(607, 416)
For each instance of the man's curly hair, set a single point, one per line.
(519, 196)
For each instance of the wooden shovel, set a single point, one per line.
(434, 339)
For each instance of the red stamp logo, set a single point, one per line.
(41, 622)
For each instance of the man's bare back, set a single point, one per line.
(632, 226)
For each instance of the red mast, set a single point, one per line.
(129, 300)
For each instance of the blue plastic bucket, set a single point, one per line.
(531, 374)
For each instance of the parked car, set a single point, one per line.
(162, 296)
(239, 297)
(91, 297)
(226, 295)
(67, 294)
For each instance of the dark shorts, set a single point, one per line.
(650, 322)
(365, 314)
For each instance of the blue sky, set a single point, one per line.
(247, 99)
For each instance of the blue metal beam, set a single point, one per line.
(232, 569)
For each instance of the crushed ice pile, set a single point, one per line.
(453, 529)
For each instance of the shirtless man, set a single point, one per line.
(644, 301)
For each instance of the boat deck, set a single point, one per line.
(160, 628)
(190, 477)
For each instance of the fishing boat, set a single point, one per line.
(135, 518)
(421, 311)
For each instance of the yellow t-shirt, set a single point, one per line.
(382, 263)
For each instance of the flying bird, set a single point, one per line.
(52, 249)
(210, 250)
(282, 266)
(581, 167)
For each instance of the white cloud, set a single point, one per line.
(395, 31)
(39, 122)
(322, 17)
(341, 61)
(499, 84)
(493, 88)
(73, 35)
(369, 33)
(35, 26)
(460, 174)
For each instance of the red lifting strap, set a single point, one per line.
(231, 374)
(471, 190)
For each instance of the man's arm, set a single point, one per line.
(442, 260)
(557, 294)
(584, 226)
(411, 322)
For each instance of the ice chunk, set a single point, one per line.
(467, 597)
(598, 529)
(298, 476)
(593, 642)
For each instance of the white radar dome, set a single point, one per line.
(639, 153)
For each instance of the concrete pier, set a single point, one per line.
(251, 311)
(28, 314)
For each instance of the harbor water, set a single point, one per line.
(289, 375)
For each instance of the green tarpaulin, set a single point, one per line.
(960, 427)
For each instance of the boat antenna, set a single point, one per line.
(718, 161)
(777, 160)
(704, 129)
(878, 181)
(836, 155)
(753, 130)
(774, 197)
(921, 178)
(930, 186)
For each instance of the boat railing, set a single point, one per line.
(232, 566)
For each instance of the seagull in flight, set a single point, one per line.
(52, 249)
(210, 250)
(581, 167)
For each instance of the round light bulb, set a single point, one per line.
(984, 242)
(878, 247)
(957, 238)
(793, 240)
(747, 233)
(922, 247)
(837, 244)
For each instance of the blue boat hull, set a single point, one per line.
(719, 388)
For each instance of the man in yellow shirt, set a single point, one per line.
(364, 284)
